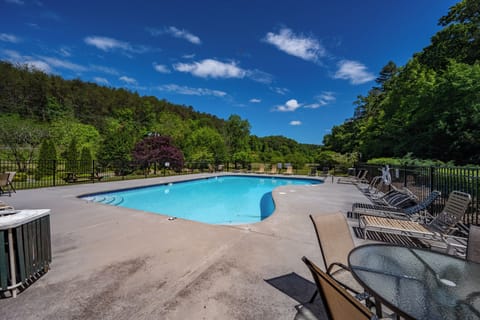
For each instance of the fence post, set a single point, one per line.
(405, 175)
(432, 169)
(54, 172)
(93, 171)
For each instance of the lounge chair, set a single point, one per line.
(473, 246)
(339, 304)
(335, 241)
(4, 183)
(273, 170)
(436, 232)
(11, 175)
(289, 170)
(409, 213)
(361, 177)
(261, 169)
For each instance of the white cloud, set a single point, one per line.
(9, 38)
(128, 80)
(323, 99)
(295, 123)
(101, 80)
(300, 46)
(189, 56)
(161, 68)
(63, 64)
(183, 34)
(255, 100)
(64, 51)
(39, 65)
(289, 106)
(191, 91)
(282, 91)
(177, 33)
(353, 71)
(210, 68)
(107, 44)
(259, 76)
(19, 2)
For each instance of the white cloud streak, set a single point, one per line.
(128, 80)
(177, 33)
(295, 123)
(191, 91)
(161, 68)
(353, 71)
(289, 106)
(9, 38)
(101, 80)
(325, 98)
(63, 64)
(107, 44)
(255, 100)
(300, 46)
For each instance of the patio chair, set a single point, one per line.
(273, 170)
(11, 175)
(289, 170)
(4, 183)
(409, 213)
(436, 231)
(335, 241)
(339, 304)
(261, 169)
(361, 177)
(473, 245)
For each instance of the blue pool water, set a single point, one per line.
(217, 200)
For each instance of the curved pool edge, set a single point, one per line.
(202, 176)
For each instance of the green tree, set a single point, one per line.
(22, 138)
(71, 156)
(237, 133)
(208, 143)
(86, 161)
(47, 159)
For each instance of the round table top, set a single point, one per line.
(418, 283)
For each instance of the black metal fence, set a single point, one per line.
(39, 174)
(423, 180)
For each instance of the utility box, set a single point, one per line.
(25, 247)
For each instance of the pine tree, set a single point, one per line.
(71, 156)
(47, 158)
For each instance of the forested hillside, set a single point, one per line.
(429, 108)
(107, 123)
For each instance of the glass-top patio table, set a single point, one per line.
(418, 283)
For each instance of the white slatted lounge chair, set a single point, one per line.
(409, 213)
(437, 232)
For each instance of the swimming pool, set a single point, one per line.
(216, 200)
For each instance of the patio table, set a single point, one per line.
(418, 283)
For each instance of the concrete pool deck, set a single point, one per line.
(117, 263)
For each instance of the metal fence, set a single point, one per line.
(40, 174)
(423, 180)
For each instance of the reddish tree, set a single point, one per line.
(158, 149)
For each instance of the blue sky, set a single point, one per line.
(291, 68)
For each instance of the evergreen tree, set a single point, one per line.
(71, 155)
(47, 159)
(86, 160)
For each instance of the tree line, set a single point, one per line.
(46, 117)
(427, 109)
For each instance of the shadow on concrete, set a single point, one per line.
(301, 290)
